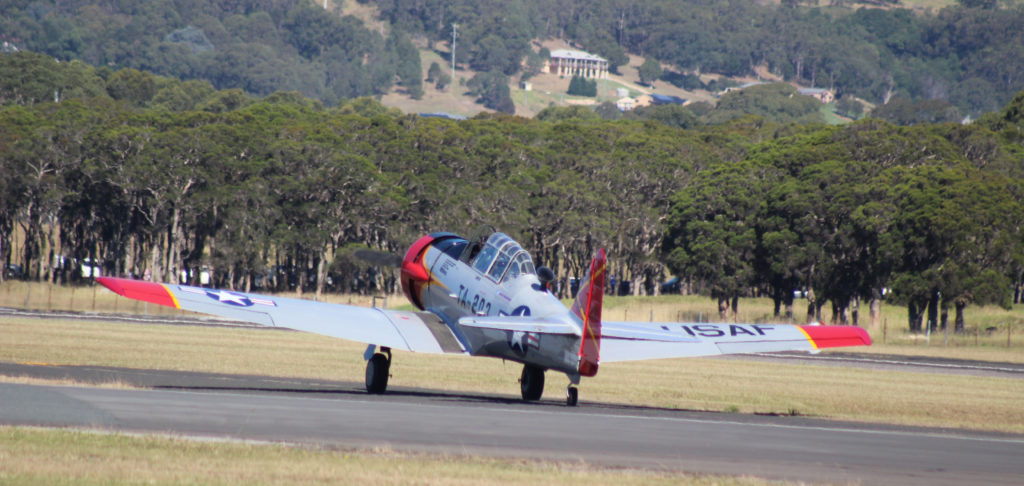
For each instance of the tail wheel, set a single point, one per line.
(572, 395)
(377, 372)
(532, 383)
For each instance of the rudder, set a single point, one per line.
(587, 308)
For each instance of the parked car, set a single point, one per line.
(90, 269)
(13, 270)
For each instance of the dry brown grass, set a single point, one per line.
(38, 456)
(24, 380)
(97, 298)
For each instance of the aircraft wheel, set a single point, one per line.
(572, 395)
(377, 372)
(532, 383)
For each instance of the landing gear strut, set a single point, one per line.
(378, 370)
(532, 383)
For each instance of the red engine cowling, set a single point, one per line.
(415, 274)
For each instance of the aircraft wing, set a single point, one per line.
(630, 341)
(420, 332)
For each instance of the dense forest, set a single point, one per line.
(159, 177)
(967, 56)
(260, 47)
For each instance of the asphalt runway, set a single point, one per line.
(341, 415)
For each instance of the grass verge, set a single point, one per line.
(42, 456)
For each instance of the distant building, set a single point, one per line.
(625, 104)
(741, 87)
(621, 92)
(660, 99)
(820, 94)
(565, 62)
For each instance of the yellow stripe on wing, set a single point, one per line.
(173, 298)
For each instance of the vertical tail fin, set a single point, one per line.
(587, 308)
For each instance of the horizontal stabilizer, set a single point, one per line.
(625, 330)
(520, 324)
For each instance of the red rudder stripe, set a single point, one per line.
(587, 307)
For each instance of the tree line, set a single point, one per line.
(279, 192)
(928, 216)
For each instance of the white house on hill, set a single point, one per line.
(565, 62)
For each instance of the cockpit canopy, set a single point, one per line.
(503, 259)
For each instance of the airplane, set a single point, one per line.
(483, 296)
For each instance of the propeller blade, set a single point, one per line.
(378, 258)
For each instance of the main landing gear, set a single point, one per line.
(378, 369)
(531, 383)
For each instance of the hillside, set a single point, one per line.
(547, 89)
(965, 56)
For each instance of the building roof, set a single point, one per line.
(441, 114)
(667, 99)
(805, 91)
(570, 54)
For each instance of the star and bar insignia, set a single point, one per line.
(230, 298)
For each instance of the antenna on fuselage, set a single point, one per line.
(476, 242)
(546, 276)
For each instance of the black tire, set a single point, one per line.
(572, 395)
(377, 372)
(532, 383)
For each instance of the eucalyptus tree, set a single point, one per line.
(15, 140)
(960, 229)
(53, 147)
(109, 205)
(712, 230)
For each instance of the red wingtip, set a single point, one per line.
(140, 290)
(837, 336)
